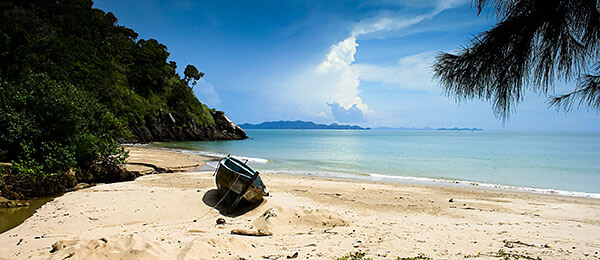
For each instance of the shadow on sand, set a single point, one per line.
(212, 197)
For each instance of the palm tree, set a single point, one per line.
(534, 43)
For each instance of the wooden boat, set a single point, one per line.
(237, 181)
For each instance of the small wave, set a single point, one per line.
(343, 175)
(134, 144)
(424, 180)
(388, 178)
(203, 153)
(251, 159)
(216, 155)
(213, 164)
(381, 177)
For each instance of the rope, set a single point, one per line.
(223, 198)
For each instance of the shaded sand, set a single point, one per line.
(172, 216)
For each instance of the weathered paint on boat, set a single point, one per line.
(236, 181)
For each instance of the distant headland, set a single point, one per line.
(299, 125)
(430, 128)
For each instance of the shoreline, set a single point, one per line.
(172, 215)
(385, 178)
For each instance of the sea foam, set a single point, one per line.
(381, 177)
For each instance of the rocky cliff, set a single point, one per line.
(164, 128)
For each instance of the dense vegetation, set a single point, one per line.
(48, 130)
(533, 44)
(73, 82)
(72, 42)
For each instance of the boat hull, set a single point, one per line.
(236, 181)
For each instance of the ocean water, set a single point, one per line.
(548, 162)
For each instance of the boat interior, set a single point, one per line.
(239, 167)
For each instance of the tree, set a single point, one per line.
(534, 43)
(150, 70)
(191, 73)
(72, 42)
(48, 128)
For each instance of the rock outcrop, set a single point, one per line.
(164, 128)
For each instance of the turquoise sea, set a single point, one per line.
(547, 162)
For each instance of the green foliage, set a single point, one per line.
(192, 73)
(508, 255)
(419, 257)
(178, 99)
(533, 44)
(72, 83)
(359, 255)
(31, 179)
(71, 42)
(48, 128)
(150, 70)
(23, 169)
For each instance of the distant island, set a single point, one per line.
(460, 129)
(403, 128)
(430, 128)
(299, 125)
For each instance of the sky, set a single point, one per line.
(364, 63)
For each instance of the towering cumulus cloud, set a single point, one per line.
(341, 77)
(331, 89)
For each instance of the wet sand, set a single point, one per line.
(173, 216)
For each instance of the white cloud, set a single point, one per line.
(342, 82)
(205, 92)
(337, 78)
(411, 73)
(350, 115)
(394, 22)
(308, 91)
(340, 56)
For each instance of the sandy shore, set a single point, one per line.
(172, 216)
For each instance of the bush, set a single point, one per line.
(25, 179)
(360, 255)
(48, 129)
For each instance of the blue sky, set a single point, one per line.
(351, 62)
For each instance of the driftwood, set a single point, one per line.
(247, 232)
(5, 164)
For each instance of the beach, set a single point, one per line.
(173, 216)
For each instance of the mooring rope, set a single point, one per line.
(224, 196)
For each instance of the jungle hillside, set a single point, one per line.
(74, 84)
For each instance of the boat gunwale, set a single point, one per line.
(243, 166)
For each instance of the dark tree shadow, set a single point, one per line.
(212, 197)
